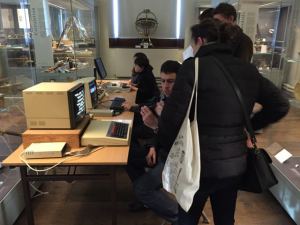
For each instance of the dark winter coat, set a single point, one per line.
(219, 115)
(147, 87)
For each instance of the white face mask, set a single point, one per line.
(187, 53)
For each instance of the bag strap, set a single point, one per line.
(240, 98)
(195, 86)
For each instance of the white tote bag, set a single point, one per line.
(181, 174)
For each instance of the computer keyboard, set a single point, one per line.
(117, 104)
(117, 130)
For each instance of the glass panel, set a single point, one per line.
(84, 38)
(271, 39)
(16, 64)
(40, 40)
(72, 29)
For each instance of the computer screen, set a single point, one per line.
(93, 93)
(100, 68)
(78, 100)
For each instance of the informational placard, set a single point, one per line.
(283, 155)
(41, 33)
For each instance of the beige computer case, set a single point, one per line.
(46, 105)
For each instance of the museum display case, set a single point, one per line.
(268, 24)
(73, 41)
(40, 40)
(46, 40)
(270, 43)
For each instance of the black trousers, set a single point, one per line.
(137, 152)
(222, 193)
(136, 162)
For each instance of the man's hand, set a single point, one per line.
(151, 157)
(133, 87)
(248, 141)
(127, 105)
(150, 120)
(159, 107)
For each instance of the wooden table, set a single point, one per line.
(111, 156)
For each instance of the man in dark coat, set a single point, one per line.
(220, 120)
(147, 185)
(242, 45)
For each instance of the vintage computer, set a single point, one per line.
(107, 132)
(92, 95)
(109, 86)
(90, 89)
(99, 68)
(54, 105)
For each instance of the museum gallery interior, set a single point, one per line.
(66, 71)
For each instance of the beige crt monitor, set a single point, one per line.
(90, 89)
(54, 105)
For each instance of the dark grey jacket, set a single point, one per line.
(220, 119)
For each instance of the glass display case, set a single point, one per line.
(40, 40)
(73, 41)
(271, 39)
(47, 40)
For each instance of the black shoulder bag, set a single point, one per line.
(259, 175)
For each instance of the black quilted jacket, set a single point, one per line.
(219, 116)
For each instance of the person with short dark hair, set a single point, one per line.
(147, 186)
(133, 81)
(222, 136)
(225, 12)
(206, 14)
(140, 55)
(242, 45)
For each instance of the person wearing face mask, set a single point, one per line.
(205, 14)
(223, 140)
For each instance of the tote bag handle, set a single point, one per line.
(195, 91)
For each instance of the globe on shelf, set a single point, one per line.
(146, 24)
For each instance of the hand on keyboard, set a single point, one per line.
(127, 106)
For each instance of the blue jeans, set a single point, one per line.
(222, 193)
(148, 190)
